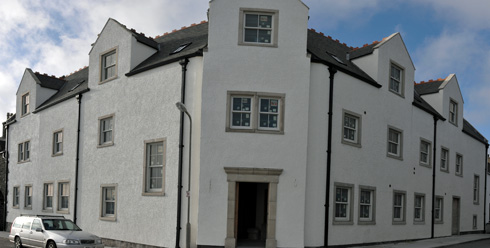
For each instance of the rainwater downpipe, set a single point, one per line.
(183, 63)
(332, 72)
(5, 200)
(79, 100)
(433, 179)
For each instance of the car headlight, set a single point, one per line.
(98, 241)
(71, 242)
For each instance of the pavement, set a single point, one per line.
(425, 243)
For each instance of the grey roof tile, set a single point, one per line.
(428, 87)
(471, 131)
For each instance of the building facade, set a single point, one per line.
(296, 139)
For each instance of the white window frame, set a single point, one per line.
(459, 165)
(400, 81)
(25, 104)
(48, 193)
(399, 143)
(147, 189)
(401, 220)
(453, 112)
(425, 151)
(103, 67)
(255, 112)
(348, 202)
(445, 159)
(61, 186)
(24, 152)
(357, 129)
(58, 142)
(16, 197)
(273, 29)
(371, 220)
(101, 131)
(439, 207)
(28, 196)
(421, 208)
(103, 202)
(476, 190)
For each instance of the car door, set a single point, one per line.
(35, 237)
(25, 232)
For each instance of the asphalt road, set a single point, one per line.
(5, 243)
(477, 244)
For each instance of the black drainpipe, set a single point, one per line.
(182, 63)
(332, 72)
(485, 195)
(79, 100)
(433, 178)
(5, 200)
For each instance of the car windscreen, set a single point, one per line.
(60, 225)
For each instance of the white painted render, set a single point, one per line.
(143, 109)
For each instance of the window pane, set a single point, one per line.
(252, 20)
(109, 208)
(265, 36)
(251, 35)
(265, 21)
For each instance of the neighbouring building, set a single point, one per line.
(297, 140)
(3, 174)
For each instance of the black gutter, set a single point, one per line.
(5, 200)
(182, 63)
(79, 100)
(332, 72)
(432, 221)
(42, 107)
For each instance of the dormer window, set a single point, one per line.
(453, 112)
(258, 27)
(25, 104)
(108, 70)
(396, 80)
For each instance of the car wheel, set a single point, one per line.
(51, 244)
(18, 243)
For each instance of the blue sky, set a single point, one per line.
(442, 36)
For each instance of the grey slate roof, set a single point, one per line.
(67, 90)
(50, 82)
(471, 131)
(363, 51)
(196, 36)
(428, 88)
(422, 104)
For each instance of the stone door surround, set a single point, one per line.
(252, 175)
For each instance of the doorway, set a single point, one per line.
(251, 221)
(455, 216)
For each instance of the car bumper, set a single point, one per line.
(80, 246)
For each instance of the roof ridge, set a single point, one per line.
(51, 76)
(74, 72)
(182, 28)
(372, 43)
(430, 81)
(330, 37)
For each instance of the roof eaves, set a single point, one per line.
(164, 62)
(62, 99)
(473, 132)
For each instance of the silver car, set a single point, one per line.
(50, 232)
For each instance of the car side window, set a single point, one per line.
(48, 224)
(26, 225)
(18, 224)
(36, 224)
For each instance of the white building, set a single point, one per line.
(297, 139)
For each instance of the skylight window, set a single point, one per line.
(336, 58)
(180, 48)
(76, 86)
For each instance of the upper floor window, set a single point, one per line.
(395, 139)
(154, 170)
(444, 159)
(106, 129)
(453, 112)
(476, 189)
(459, 165)
(255, 112)
(396, 80)
(24, 152)
(425, 154)
(351, 132)
(58, 143)
(25, 104)
(258, 27)
(108, 65)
